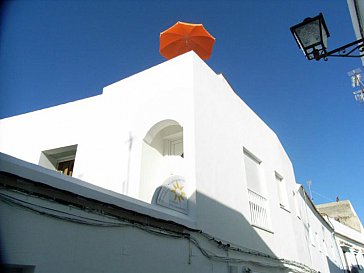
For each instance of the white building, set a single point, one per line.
(356, 9)
(349, 233)
(351, 243)
(173, 144)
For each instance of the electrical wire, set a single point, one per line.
(117, 222)
(10, 200)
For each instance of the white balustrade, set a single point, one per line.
(258, 210)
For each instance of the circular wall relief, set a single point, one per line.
(172, 194)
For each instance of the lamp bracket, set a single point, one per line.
(353, 50)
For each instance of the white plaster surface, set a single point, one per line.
(115, 164)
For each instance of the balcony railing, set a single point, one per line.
(258, 210)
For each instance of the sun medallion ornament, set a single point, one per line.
(172, 194)
(179, 194)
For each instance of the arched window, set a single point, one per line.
(162, 157)
(166, 137)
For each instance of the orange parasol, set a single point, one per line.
(184, 37)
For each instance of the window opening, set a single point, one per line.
(66, 167)
(253, 172)
(282, 193)
(258, 204)
(174, 145)
(296, 203)
(60, 159)
(162, 157)
(167, 138)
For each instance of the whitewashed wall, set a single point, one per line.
(217, 126)
(53, 245)
(353, 241)
(317, 245)
(224, 126)
(102, 126)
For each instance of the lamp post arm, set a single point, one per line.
(341, 51)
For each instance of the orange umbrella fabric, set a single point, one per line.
(184, 37)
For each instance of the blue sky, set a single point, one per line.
(53, 52)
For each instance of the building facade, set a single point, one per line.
(176, 144)
(348, 232)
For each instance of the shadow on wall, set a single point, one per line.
(229, 224)
(333, 267)
(225, 228)
(111, 245)
(108, 247)
(228, 229)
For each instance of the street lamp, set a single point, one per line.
(311, 36)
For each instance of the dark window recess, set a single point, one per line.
(66, 167)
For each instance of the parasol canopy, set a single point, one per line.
(183, 37)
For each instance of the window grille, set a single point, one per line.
(258, 210)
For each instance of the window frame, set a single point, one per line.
(169, 143)
(63, 160)
(262, 187)
(282, 191)
(53, 157)
(260, 216)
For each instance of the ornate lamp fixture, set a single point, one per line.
(311, 36)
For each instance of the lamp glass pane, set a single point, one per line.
(309, 34)
(324, 36)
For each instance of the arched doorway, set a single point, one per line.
(162, 156)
